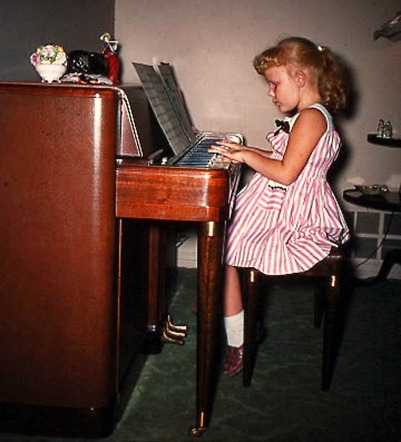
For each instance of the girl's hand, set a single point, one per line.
(232, 151)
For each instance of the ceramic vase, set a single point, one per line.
(50, 72)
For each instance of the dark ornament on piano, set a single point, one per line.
(84, 62)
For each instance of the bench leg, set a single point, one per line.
(330, 331)
(250, 291)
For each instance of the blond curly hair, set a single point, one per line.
(325, 66)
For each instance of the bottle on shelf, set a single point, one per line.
(380, 128)
(388, 130)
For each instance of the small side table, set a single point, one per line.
(389, 202)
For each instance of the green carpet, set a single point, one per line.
(284, 402)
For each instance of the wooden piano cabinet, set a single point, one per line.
(69, 325)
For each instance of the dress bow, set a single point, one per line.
(282, 125)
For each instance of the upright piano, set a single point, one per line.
(72, 201)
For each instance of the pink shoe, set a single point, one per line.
(234, 361)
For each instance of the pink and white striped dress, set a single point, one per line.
(280, 229)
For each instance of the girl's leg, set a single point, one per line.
(234, 322)
(232, 292)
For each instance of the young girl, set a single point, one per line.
(287, 218)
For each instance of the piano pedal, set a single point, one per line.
(174, 334)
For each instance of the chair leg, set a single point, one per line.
(330, 331)
(320, 291)
(251, 303)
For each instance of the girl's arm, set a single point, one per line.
(258, 150)
(306, 132)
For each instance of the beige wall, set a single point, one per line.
(211, 44)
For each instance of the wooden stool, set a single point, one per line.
(327, 298)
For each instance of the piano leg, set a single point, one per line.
(156, 276)
(210, 248)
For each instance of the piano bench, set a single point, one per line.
(328, 275)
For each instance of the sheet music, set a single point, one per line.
(162, 107)
(167, 75)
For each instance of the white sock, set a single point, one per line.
(235, 329)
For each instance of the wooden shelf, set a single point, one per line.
(389, 142)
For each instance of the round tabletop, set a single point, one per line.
(387, 201)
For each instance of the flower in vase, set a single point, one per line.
(49, 54)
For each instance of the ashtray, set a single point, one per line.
(372, 190)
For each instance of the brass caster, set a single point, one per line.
(197, 431)
(174, 334)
